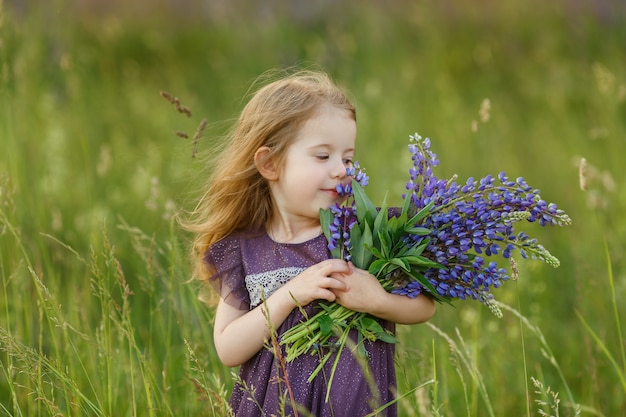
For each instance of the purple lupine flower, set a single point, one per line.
(344, 215)
(471, 220)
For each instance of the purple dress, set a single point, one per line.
(248, 267)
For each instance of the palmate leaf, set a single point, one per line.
(377, 266)
(414, 250)
(396, 230)
(394, 225)
(401, 262)
(384, 267)
(374, 251)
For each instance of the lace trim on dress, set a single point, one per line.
(263, 285)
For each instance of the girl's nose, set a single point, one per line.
(338, 169)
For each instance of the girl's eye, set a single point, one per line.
(348, 162)
(322, 157)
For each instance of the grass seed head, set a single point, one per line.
(582, 174)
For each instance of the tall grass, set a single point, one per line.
(106, 348)
(97, 316)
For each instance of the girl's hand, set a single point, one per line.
(363, 293)
(361, 290)
(318, 282)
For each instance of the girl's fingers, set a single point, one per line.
(331, 282)
(328, 296)
(331, 266)
(343, 279)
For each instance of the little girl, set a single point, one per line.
(260, 244)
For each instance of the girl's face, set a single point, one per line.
(315, 163)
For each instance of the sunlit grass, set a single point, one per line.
(99, 352)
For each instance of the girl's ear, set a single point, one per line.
(265, 164)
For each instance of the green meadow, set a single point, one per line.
(98, 316)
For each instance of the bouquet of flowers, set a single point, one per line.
(437, 243)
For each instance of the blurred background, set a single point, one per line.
(97, 316)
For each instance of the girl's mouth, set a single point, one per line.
(331, 192)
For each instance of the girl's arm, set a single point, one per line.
(364, 293)
(240, 334)
(402, 309)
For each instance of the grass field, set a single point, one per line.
(97, 317)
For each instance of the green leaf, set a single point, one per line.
(401, 262)
(380, 221)
(326, 324)
(422, 261)
(387, 337)
(357, 250)
(429, 287)
(385, 244)
(366, 210)
(377, 266)
(395, 228)
(420, 231)
(361, 347)
(421, 214)
(375, 251)
(326, 218)
(406, 205)
(372, 330)
(417, 249)
(392, 224)
(366, 243)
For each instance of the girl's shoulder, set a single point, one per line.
(225, 261)
(230, 246)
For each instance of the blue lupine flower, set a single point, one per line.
(344, 215)
(472, 219)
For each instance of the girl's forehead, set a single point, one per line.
(328, 114)
(331, 127)
(329, 108)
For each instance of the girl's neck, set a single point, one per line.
(285, 232)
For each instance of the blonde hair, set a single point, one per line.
(237, 197)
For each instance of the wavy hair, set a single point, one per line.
(237, 197)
